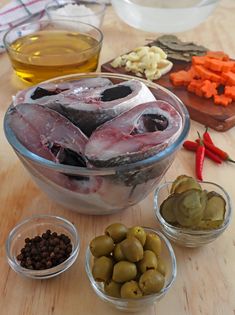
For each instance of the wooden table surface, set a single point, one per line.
(205, 281)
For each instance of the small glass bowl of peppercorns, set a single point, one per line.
(42, 246)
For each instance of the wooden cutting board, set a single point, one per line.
(201, 110)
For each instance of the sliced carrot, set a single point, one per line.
(206, 74)
(230, 92)
(229, 77)
(220, 55)
(218, 65)
(198, 60)
(181, 78)
(222, 100)
(209, 88)
(195, 87)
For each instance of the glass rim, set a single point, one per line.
(51, 4)
(190, 231)
(22, 150)
(50, 21)
(158, 295)
(202, 4)
(50, 272)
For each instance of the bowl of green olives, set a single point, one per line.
(192, 213)
(130, 268)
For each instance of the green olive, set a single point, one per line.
(132, 249)
(131, 290)
(124, 271)
(149, 261)
(152, 281)
(138, 232)
(117, 253)
(161, 266)
(102, 269)
(113, 288)
(117, 231)
(153, 243)
(101, 246)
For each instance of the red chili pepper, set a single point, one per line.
(192, 146)
(207, 137)
(200, 156)
(220, 153)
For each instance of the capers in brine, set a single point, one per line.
(124, 271)
(102, 269)
(131, 290)
(149, 261)
(101, 245)
(117, 231)
(138, 232)
(112, 288)
(132, 249)
(153, 243)
(152, 281)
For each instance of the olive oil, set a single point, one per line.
(47, 54)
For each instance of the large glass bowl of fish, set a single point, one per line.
(96, 143)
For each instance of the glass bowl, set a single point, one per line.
(41, 50)
(135, 305)
(83, 11)
(186, 237)
(36, 225)
(159, 16)
(106, 190)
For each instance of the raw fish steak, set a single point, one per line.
(53, 137)
(134, 135)
(42, 93)
(89, 109)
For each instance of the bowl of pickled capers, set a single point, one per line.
(130, 268)
(192, 213)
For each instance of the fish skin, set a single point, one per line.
(88, 111)
(113, 144)
(36, 126)
(24, 96)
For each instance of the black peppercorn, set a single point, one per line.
(45, 251)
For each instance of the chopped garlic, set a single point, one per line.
(150, 61)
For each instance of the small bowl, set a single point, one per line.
(41, 50)
(72, 10)
(164, 16)
(135, 305)
(187, 237)
(36, 225)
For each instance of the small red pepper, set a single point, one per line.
(192, 146)
(200, 156)
(220, 153)
(207, 137)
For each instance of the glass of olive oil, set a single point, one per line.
(46, 49)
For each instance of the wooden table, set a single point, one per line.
(205, 281)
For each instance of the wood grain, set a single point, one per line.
(205, 281)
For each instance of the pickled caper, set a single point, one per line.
(117, 253)
(101, 246)
(138, 232)
(161, 266)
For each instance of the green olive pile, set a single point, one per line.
(128, 261)
(189, 206)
